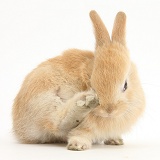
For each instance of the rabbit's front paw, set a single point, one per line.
(89, 100)
(114, 142)
(78, 146)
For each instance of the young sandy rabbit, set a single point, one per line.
(82, 97)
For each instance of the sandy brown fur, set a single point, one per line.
(79, 97)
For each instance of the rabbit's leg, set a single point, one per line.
(76, 109)
(114, 141)
(80, 138)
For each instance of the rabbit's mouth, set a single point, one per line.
(106, 116)
(109, 116)
(102, 113)
(108, 113)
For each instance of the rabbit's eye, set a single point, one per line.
(125, 86)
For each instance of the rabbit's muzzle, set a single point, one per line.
(109, 110)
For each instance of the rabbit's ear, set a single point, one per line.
(101, 33)
(119, 28)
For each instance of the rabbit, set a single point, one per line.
(82, 97)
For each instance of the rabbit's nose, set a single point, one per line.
(110, 108)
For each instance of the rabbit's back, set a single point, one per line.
(73, 68)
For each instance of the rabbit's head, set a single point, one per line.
(114, 76)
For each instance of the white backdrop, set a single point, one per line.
(32, 31)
